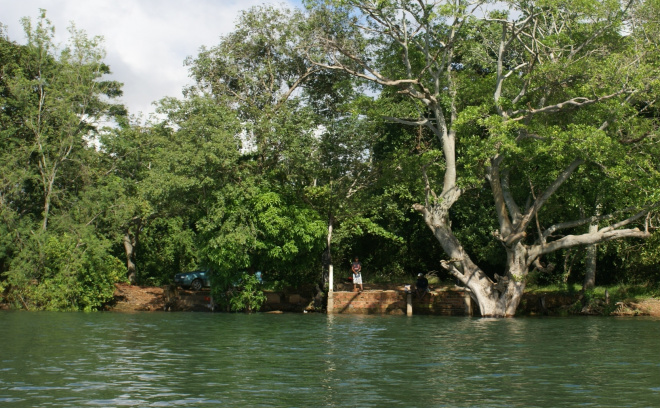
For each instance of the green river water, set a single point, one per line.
(315, 360)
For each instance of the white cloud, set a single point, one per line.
(146, 40)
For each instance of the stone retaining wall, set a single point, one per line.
(438, 302)
(369, 302)
(445, 303)
(289, 302)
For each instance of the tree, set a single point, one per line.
(53, 101)
(521, 94)
(261, 218)
(61, 101)
(170, 170)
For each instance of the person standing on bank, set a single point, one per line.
(356, 267)
(422, 286)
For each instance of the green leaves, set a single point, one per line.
(55, 195)
(262, 229)
(62, 272)
(267, 149)
(249, 297)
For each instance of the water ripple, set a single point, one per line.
(189, 360)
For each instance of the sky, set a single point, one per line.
(146, 41)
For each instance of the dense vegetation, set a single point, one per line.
(310, 137)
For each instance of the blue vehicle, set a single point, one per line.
(195, 280)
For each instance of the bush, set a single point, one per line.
(250, 297)
(60, 272)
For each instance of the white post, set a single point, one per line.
(331, 301)
(409, 311)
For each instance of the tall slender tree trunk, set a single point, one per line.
(592, 256)
(590, 271)
(129, 248)
(48, 193)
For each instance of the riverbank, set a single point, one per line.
(645, 307)
(132, 298)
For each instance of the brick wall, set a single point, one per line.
(289, 302)
(370, 302)
(440, 302)
(445, 302)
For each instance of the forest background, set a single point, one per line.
(313, 136)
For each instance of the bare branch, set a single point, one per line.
(570, 241)
(545, 269)
(421, 122)
(500, 206)
(406, 84)
(514, 210)
(596, 219)
(577, 102)
(427, 187)
(540, 201)
(628, 221)
(295, 86)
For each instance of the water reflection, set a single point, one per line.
(190, 360)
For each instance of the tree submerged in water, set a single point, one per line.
(521, 97)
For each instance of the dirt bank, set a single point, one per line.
(558, 304)
(645, 307)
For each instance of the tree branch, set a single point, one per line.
(577, 102)
(584, 239)
(498, 195)
(540, 200)
(295, 86)
(514, 210)
(588, 220)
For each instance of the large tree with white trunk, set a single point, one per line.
(523, 98)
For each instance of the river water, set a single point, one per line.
(315, 360)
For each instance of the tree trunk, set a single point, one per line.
(495, 299)
(592, 255)
(129, 247)
(499, 298)
(590, 272)
(502, 297)
(49, 181)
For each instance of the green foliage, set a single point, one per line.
(57, 198)
(61, 272)
(264, 230)
(249, 297)
(248, 170)
(169, 172)
(167, 247)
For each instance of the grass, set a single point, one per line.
(595, 300)
(616, 292)
(619, 292)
